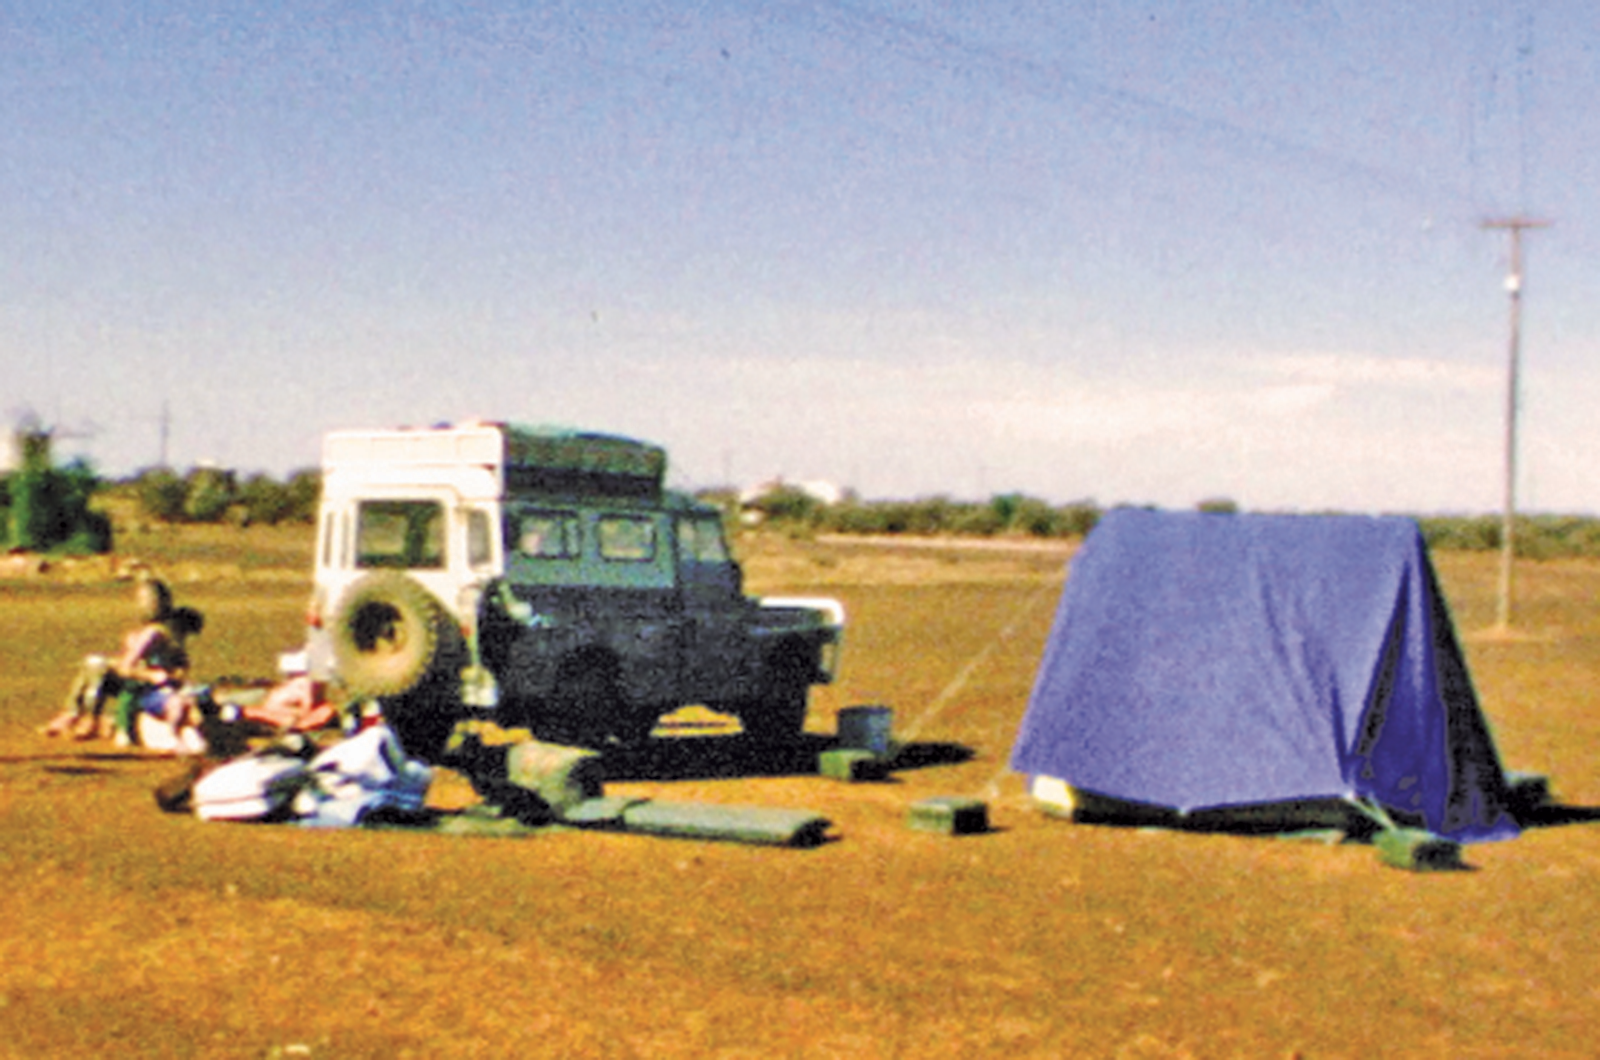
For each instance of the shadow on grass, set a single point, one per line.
(76, 762)
(1557, 815)
(728, 757)
(1331, 819)
(77, 770)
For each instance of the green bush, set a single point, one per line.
(855, 517)
(33, 510)
(46, 508)
(208, 493)
(1035, 518)
(264, 500)
(305, 492)
(1078, 518)
(977, 520)
(789, 506)
(161, 494)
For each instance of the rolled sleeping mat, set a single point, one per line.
(740, 824)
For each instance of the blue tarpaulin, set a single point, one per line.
(1203, 661)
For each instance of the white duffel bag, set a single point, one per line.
(253, 788)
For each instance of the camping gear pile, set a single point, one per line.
(1210, 668)
(342, 786)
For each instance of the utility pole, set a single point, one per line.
(1516, 226)
(166, 431)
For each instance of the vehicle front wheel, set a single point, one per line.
(585, 706)
(779, 715)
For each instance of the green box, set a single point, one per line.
(950, 815)
(851, 765)
(1417, 850)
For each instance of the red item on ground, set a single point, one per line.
(296, 706)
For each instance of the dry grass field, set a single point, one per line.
(129, 932)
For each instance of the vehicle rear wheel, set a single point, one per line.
(423, 720)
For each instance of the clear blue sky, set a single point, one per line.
(1144, 252)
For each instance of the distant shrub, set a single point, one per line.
(855, 517)
(1035, 518)
(263, 499)
(788, 505)
(1078, 518)
(305, 492)
(208, 494)
(977, 520)
(46, 508)
(161, 494)
(1476, 533)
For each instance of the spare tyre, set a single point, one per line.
(390, 635)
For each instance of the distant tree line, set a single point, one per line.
(218, 495)
(1536, 536)
(791, 510)
(47, 508)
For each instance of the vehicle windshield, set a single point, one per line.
(700, 540)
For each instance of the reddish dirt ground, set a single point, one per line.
(136, 933)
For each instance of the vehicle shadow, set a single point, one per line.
(728, 757)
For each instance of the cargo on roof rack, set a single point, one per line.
(548, 460)
(552, 460)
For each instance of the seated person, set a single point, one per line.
(153, 668)
(100, 680)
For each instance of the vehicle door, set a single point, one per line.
(586, 582)
(416, 532)
(635, 599)
(720, 662)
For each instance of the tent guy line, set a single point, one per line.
(959, 681)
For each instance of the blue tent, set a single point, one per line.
(1205, 661)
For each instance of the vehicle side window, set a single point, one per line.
(626, 538)
(547, 535)
(480, 546)
(329, 522)
(700, 541)
(400, 534)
